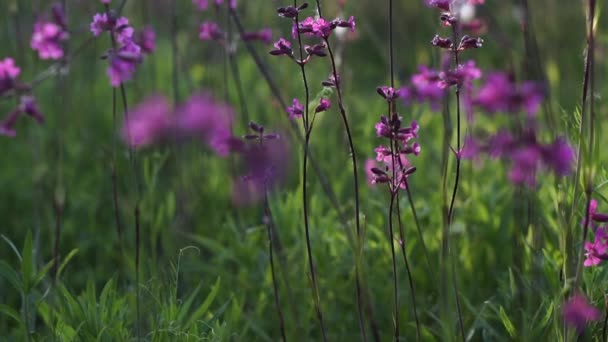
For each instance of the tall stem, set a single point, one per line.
(450, 214)
(269, 225)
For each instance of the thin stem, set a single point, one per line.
(395, 286)
(409, 271)
(269, 225)
(450, 215)
(174, 52)
(355, 182)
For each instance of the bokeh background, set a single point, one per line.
(194, 236)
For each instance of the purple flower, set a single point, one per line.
(296, 110)
(210, 31)
(559, 156)
(8, 73)
(263, 35)
(29, 106)
(202, 117)
(7, 126)
(147, 123)
(443, 5)
(427, 85)
(316, 27)
(47, 38)
(146, 39)
(350, 23)
(388, 93)
(500, 94)
(282, 47)
(105, 2)
(8, 69)
(202, 4)
(577, 312)
(265, 167)
(120, 28)
(123, 63)
(324, 105)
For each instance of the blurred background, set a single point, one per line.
(60, 173)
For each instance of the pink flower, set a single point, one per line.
(8, 69)
(296, 110)
(202, 4)
(147, 123)
(202, 117)
(324, 105)
(7, 126)
(123, 63)
(596, 252)
(210, 31)
(577, 312)
(47, 38)
(146, 39)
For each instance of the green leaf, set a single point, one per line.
(27, 262)
(506, 322)
(10, 312)
(187, 304)
(12, 245)
(67, 259)
(7, 272)
(206, 304)
(42, 272)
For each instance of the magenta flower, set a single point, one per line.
(296, 110)
(106, 2)
(26, 106)
(263, 35)
(324, 105)
(202, 4)
(577, 312)
(316, 27)
(500, 94)
(265, 164)
(7, 126)
(204, 118)
(120, 28)
(123, 63)
(8, 73)
(147, 123)
(210, 31)
(282, 47)
(146, 39)
(47, 40)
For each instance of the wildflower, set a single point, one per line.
(210, 31)
(388, 93)
(147, 123)
(7, 126)
(202, 4)
(146, 39)
(577, 312)
(123, 63)
(47, 38)
(316, 50)
(296, 110)
(8, 73)
(264, 35)
(317, 27)
(282, 47)
(265, 164)
(324, 105)
(204, 118)
(500, 94)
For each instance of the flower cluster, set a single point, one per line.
(577, 312)
(27, 104)
(595, 252)
(391, 165)
(200, 117)
(127, 48)
(317, 27)
(49, 35)
(526, 154)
